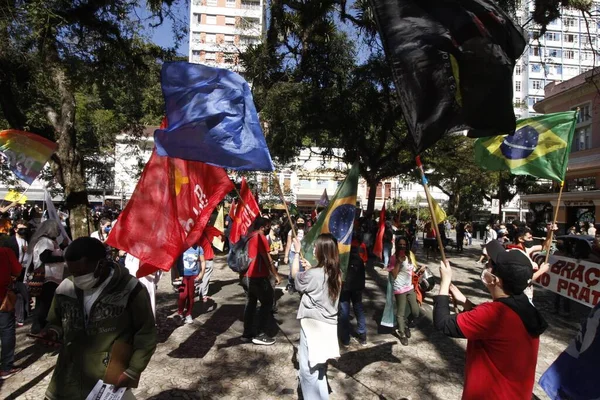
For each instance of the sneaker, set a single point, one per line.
(188, 320)
(407, 332)
(7, 374)
(362, 339)
(263, 340)
(402, 337)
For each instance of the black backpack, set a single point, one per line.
(238, 258)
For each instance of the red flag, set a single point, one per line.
(232, 209)
(171, 205)
(246, 212)
(378, 246)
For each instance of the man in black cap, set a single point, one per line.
(503, 335)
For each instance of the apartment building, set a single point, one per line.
(564, 51)
(221, 29)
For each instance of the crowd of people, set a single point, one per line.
(83, 296)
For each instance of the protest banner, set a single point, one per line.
(578, 280)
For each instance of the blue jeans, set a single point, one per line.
(313, 381)
(291, 257)
(355, 297)
(387, 251)
(8, 339)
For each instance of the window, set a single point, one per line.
(196, 37)
(569, 54)
(558, 69)
(536, 67)
(532, 100)
(230, 3)
(570, 38)
(571, 71)
(197, 18)
(569, 22)
(195, 56)
(228, 38)
(552, 36)
(378, 192)
(583, 138)
(388, 190)
(210, 56)
(211, 19)
(517, 86)
(536, 84)
(287, 184)
(553, 53)
(518, 69)
(535, 51)
(230, 21)
(211, 3)
(587, 56)
(211, 38)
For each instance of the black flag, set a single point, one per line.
(452, 62)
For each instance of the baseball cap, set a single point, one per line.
(513, 266)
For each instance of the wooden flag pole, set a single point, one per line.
(431, 209)
(554, 221)
(287, 211)
(434, 220)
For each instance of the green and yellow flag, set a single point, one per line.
(337, 219)
(540, 147)
(440, 214)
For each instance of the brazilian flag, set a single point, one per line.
(539, 147)
(337, 219)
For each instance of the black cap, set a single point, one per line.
(513, 266)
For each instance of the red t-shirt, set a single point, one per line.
(258, 244)
(9, 266)
(501, 355)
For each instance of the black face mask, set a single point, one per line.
(528, 244)
(22, 231)
(300, 226)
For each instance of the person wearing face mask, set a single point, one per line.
(47, 257)
(401, 299)
(102, 233)
(502, 335)
(18, 244)
(98, 313)
(289, 252)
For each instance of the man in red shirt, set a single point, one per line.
(10, 269)
(257, 284)
(503, 335)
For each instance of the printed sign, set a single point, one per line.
(576, 280)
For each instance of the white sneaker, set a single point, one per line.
(188, 320)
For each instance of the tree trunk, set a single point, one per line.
(372, 193)
(68, 164)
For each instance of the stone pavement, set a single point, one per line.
(207, 359)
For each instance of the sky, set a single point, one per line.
(163, 35)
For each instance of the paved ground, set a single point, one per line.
(207, 360)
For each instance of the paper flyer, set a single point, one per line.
(104, 391)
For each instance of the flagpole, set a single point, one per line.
(554, 222)
(287, 211)
(431, 209)
(433, 218)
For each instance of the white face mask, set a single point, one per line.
(85, 282)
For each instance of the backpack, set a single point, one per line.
(238, 259)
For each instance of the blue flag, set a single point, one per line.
(574, 374)
(212, 118)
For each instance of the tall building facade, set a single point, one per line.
(568, 48)
(221, 29)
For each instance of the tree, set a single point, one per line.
(309, 65)
(79, 74)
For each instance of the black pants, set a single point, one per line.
(22, 306)
(257, 289)
(42, 307)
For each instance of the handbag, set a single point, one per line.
(8, 304)
(36, 281)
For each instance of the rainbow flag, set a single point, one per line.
(25, 153)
